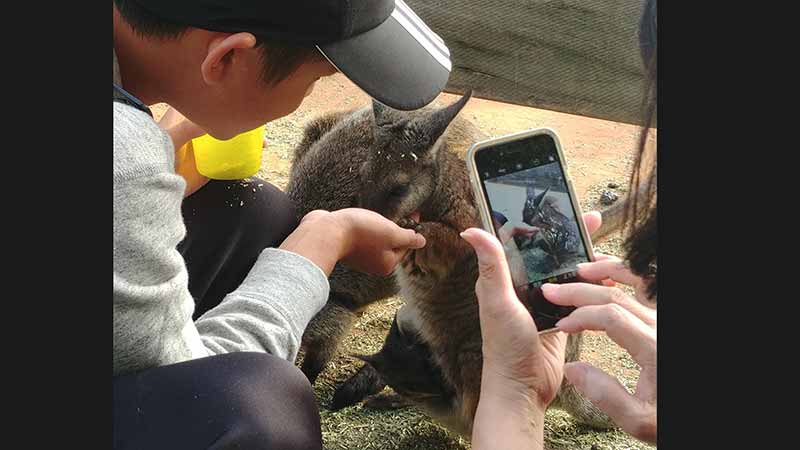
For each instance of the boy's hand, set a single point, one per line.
(511, 229)
(374, 244)
(361, 239)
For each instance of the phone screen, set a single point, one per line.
(533, 215)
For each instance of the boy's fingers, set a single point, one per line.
(403, 239)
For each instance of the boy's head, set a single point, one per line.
(231, 65)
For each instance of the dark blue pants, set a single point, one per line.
(228, 223)
(238, 400)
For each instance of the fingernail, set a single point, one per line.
(549, 288)
(581, 265)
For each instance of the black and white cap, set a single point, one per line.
(381, 45)
(401, 63)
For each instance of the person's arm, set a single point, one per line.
(363, 240)
(508, 416)
(181, 131)
(521, 371)
(268, 312)
(153, 306)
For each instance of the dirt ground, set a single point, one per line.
(598, 152)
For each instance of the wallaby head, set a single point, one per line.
(532, 210)
(402, 168)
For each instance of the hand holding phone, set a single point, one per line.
(512, 348)
(526, 200)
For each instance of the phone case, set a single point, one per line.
(483, 205)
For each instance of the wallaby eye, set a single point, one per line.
(399, 191)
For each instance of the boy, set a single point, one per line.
(227, 379)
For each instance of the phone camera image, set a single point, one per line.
(534, 218)
(537, 213)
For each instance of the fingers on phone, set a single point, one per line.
(621, 325)
(613, 268)
(603, 256)
(593, 220)
(585, 294)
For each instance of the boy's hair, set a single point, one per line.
(284, 58)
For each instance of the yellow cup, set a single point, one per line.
(234, 159)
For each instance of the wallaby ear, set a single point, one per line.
(537, 201)
(381, 113)
(437, 122)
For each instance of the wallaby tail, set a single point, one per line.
(613, 218)
(572, 401)
(614, 215)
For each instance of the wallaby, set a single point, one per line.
(398, 163)
(326, 174)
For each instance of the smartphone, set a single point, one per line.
(527, 201)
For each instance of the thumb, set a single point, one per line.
(494, 279)
(593, 220)
(403, 239)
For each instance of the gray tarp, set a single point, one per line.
(574, 56)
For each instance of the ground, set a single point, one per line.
(597, 152)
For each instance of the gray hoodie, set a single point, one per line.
(152, 305)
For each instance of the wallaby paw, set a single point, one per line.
(346, 395)
(363, 383)
(311, 372)
(386, 401)
(409, 224)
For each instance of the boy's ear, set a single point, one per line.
(221, 54)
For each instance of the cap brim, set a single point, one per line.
(400, 63)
